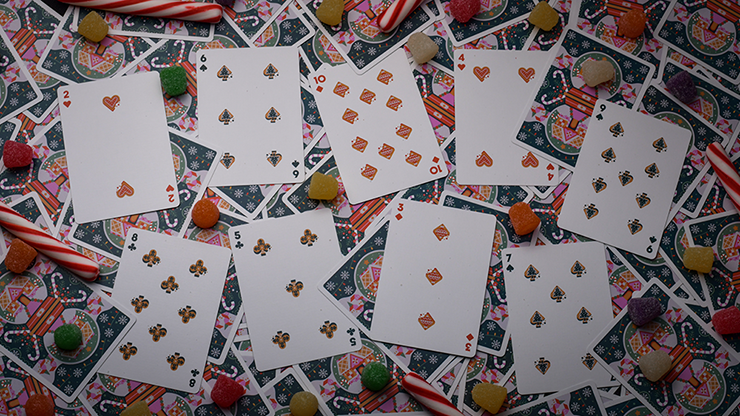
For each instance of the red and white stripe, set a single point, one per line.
(394, 15)
(168, 9)
(427, 395)
(726, 171)
(37, 238)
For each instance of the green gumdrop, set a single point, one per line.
(68, 337)
(375, 376)
(174, 80)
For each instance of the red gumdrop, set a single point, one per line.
(17, 155)
(226, 391)
(464, 10)
(727, 321)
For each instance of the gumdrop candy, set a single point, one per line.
(544, 16)
(523, 219)
(16, 154)
(304, 403)
(464, 10)
(20, 256)
(39, 405)
(682, 87)
(323, 187)
(699, 259)
(205, 214)
(137, 409)
(330, 12)
(643, 310)
(93, 27)
(597, 72)
(727, 321)
(655, 364)
(631, 24)
(174, 80)
(422, 47)
(226, 3)
(68, 337)
(489, 396)
(375, 376)
(226, 391)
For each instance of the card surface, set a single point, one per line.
(625, 178)
(106, 124)
(280, 263)
(438, 257)
(558, 301)
(379, 130)
(174, 287)
(492, 89)
(260, 128)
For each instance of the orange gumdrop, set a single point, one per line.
(39, 405)
(631, 24)
(523, 219)
(20, 256)
(205, 213)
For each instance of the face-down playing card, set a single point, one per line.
(280, 263)
(174, 287)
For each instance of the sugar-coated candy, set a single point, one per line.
(304, 403)
(205, 213)
(226, 3)
(375, 376)
(137, 409)
(727, 321)
(464, 10)
(16, 154)
(174, 80)
(595, 72)
(544, 16)
(323, 187)
(699, 259)
(682, 87)
(422, 47)
(93, 27)
(523, 219)
(655, 364)
(68, 337)
(226, 391)
(20, 256)
(330, 12)
(39, 405)
(643, 310)
(631, 24)
(489, 396)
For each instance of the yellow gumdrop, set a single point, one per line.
(544, 16)
(137, 409)
(489, 396)
(699, 259)
(330, 12)
(93, 27)
(323, 187)
(304, 403)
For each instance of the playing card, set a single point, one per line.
(289, 320)
(106, 123)
(559, 294)
(143, 26)
(491, 17)
(445, 274)
(485, 152)
(703, 369)
(240, 124)
(19, 89)
(174, 287)
(624, 182)
(486, 368)
(581, 397)
(384, 141)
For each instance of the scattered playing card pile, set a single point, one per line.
(415, 264)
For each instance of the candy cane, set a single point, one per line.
(424, 90)
(428, 396)
(637, 378)
(30, 335)
(234, 371)
(497, 293)
(112, 403)
(170, 9)
(247, 18)
(391, 17)
(365, 314)
(544, 412)
(32, 26)
(14, 187)
(561, 96)
(55, 291)
(524, 22)
(686, 341)
(559, 236)
(355, 233)
(167, 220)
(187, 194)
(496, 363)
(11, 366)
(726, 172)
(180, 55)
(598, 11)
(663, 402)
(345, 399)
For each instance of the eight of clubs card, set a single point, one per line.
(249, 103)
(379, 129)
(625, 179)
(494, 87)
(112, 128)
(174, 287)
(435, 269)
(558, 301)
(280, 263)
